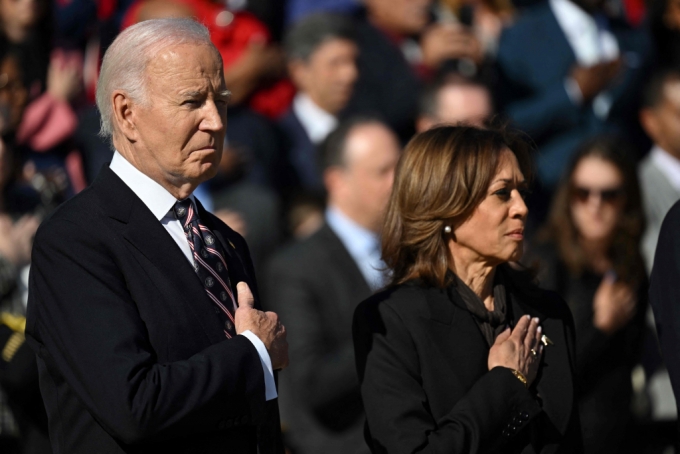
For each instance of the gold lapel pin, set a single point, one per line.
(231, 244)
(546, 340)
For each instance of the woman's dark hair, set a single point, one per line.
(442, 176)
(624, 251)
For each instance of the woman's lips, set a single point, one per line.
(516, 234)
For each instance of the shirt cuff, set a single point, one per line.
(269, 385)
(573, 91)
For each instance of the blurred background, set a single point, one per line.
(325, 94)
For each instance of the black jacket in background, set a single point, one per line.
(315, 285)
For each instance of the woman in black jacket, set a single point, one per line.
(462, 353)
(589, 252)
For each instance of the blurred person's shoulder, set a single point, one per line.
(528, 22)
(307, 251)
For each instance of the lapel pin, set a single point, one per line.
(231, 244)
(546, 340)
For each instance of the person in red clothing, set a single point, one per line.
(253, 67)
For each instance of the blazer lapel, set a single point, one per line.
(148, 236)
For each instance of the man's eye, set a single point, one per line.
(190, 102)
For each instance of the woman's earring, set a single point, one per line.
(447, 229)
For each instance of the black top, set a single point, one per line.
(422, 364)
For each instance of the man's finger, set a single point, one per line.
(245, 296)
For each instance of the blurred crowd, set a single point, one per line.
(325, 93)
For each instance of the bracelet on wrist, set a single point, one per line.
(520, 376)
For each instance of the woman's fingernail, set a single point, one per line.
(539, 329)
(528, 317)
(536, 319)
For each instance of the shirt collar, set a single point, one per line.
(316, 122)
(154, 196)
(667, 164)
(357, 239)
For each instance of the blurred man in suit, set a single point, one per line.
(322, 64)
(567, 71)
(316, 284)
(143, 344)
(659, 171)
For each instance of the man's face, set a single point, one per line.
(181, 127)
(663, 122)
(372, 153)
(13, 95)
(329, 74)
(406, 17)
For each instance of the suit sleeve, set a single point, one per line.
(664, 295)
(396, 404)
(536, 111)
(83, 322)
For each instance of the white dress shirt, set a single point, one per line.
(161, 202)
(591, 45)
(668, 165)
(316, 122)
(362, 244)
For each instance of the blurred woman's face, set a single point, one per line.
(24, 13)
(597, 198)
(494, 233)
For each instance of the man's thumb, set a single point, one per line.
(245, 296)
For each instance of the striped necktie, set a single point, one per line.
(209, 263)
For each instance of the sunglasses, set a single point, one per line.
(608, 195)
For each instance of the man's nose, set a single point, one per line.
(214, 117)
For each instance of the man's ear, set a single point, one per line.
(298, 74)
(649, 123)
(333, 179)
(124, 114)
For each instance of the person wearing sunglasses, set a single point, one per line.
(589, 252)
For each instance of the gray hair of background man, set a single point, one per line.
(306, 35)
(126, 60)
(333, 149)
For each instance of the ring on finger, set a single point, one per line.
(534, 352)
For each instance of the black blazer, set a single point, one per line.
(315, 285)
(664, 294)
(422, 364)
(131, 355)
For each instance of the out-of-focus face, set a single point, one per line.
(329, 75)
(13, 95)
(672, 14)
(494, 233)
(405, 17)
(459, 103)
(597, 199)
(464, 103)
(180, 130)
(21, 13)
(371, 156)
(662, 122)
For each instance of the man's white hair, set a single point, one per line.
(126, 60)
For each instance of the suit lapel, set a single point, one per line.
(148, 236)
(339, 254)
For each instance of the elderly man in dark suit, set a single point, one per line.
(317, 283)
(142, 343)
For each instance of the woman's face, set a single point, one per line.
(24, 13)
(597, 198)
(494, 233)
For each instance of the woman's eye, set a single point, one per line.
(503, 193)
